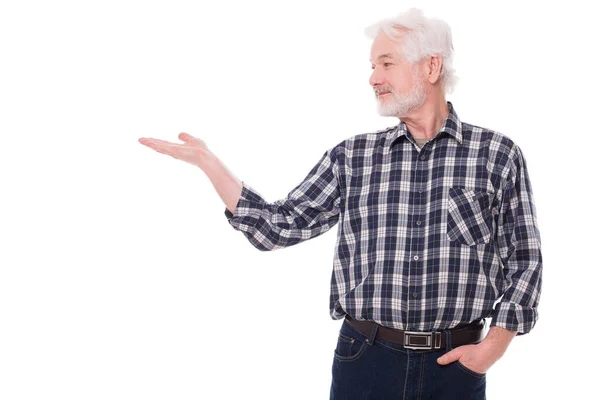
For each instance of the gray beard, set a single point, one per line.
(401, 105)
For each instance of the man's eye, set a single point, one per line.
(384, 64)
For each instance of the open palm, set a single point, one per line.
(193, 150)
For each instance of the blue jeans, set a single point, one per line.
(381, 370)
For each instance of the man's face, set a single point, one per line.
(398, 85)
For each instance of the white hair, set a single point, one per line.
(424, 37)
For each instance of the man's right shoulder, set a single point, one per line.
(363, 140)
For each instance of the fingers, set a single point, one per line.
(186, 137)
(161, 146)
(150, 141)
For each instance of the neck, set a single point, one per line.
(425, 122)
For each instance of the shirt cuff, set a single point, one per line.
(514, 317)
(248, 209)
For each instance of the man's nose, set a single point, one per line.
(375, 80)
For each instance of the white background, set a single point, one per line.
(120, 277)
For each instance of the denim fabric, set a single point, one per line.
(380, 370)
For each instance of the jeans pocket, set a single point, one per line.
(349, 347)
(469, 218)
(469, 371)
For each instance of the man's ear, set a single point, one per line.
(434, 68)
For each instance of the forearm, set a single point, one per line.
(498, 339)
(227, 185)
(307, 211)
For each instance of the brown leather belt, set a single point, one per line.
(466, 334)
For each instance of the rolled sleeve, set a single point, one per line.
(519, 246)
(248, 209)
(308, 210)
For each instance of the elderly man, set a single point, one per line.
(437, 229)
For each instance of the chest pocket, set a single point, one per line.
(469, 216)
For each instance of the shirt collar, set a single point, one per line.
(451, 125)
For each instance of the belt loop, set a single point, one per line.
(448, 340)
(371, 338)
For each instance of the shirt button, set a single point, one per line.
(416, 257)
(415, 294)
(423, 157)
(418, 222)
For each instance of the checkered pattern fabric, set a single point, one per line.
(427, 238)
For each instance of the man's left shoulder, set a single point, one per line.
(500, 150)
(480, 136)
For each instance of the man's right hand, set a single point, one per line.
(193, 150)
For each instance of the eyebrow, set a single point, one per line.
(386, 55)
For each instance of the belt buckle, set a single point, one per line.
(428, 336)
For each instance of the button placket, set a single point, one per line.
(417, 239)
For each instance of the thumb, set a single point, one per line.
(449, 357)
(186, 137)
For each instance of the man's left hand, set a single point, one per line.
(480, 357)
(476, 357)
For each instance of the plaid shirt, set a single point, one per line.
(427, 238)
